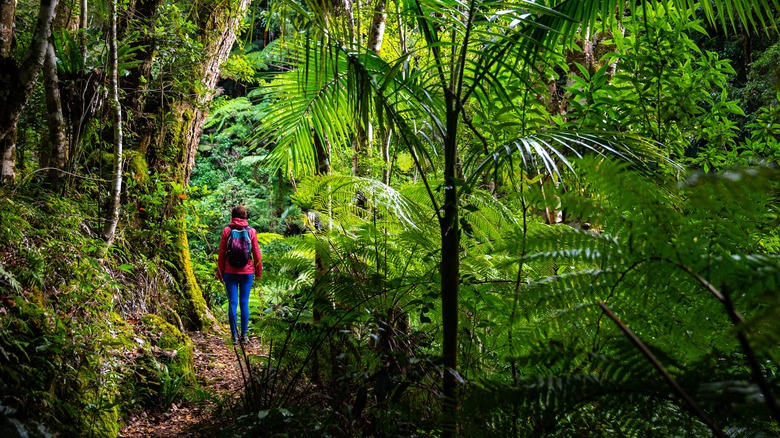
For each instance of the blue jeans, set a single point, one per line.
(238, 287)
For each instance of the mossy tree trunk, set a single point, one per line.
(174, 137)
(17, 81)
(55, 155)
(193, 304)
(140, 104)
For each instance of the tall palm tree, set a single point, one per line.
(467, 55)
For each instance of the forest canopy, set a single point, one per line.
(482, 218)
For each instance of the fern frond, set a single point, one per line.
(266, 238)
(226, 110)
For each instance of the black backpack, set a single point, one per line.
(239, 247)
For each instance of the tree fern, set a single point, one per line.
(662, 264)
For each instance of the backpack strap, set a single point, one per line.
(249, 230)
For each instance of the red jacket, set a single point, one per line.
(255, 267)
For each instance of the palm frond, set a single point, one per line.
(300, 106)
(552, 151)
(735, 12)
(654, 257)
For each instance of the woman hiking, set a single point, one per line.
(238, 263)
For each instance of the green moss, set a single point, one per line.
(171, 347)
(194, 305)
(100, 159)
(162, 369)
(137, 168)
(56, 373)
(101, 382)
(100, 414)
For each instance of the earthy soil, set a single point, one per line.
(219, 376)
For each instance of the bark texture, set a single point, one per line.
(7, 15)
(56, 156)
(17, 82)
(450, 271)
(376, 34)
(116, 111)
(218, 29)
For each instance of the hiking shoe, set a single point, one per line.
(235, 340)
(244, 340)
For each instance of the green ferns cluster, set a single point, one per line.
(73, 363)
(689, 269)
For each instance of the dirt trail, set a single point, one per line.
(218, 375)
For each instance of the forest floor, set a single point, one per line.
(218, 374)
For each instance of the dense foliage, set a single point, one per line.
(482, 218)
(593, 298)
(82, 346)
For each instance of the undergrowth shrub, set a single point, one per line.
(342, 375)
(687, 268)
(162, 363)
(70, 361)
(56, 371)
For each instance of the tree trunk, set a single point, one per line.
(17, 82)
(194, 306)
(141, 111)
(8, 163)
(321, 268)
(361, 145)
(56, 155)
(376, 34)
(222, 22)
(83, 28)
(174, 140)
(112, 218)
(450, 270)
(7, 15)
(360, 149)
(386, 135)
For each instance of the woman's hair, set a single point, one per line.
(239, 212)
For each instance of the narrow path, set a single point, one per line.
(220, 379)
